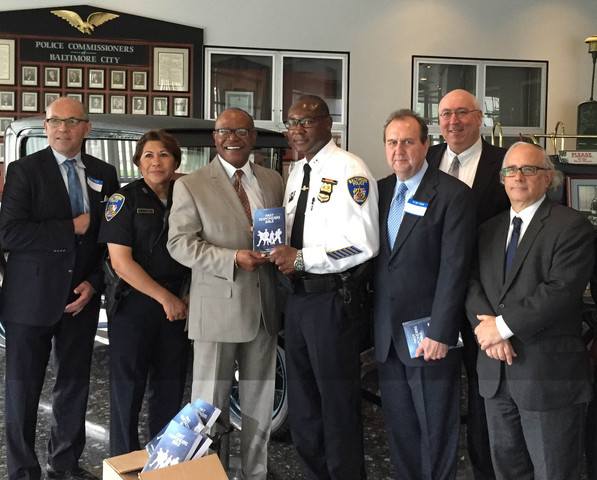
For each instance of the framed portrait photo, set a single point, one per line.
(52, 76)
(49, 98)
(29, 101)
(96, 103)
(582, 195)
(171, 69)
(181, 106)
(139, 105)
(139, 81)
(117, 104)
(29, 75)
(7, 61)
(96, 78)
(4, 123)
(160, 105)
(117, 79)
(7, 101)
(74, 77)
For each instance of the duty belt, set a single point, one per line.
(314, 283)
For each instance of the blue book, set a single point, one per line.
(269, 229)
(416, 330)
(188, 416)
(207, 413)
(177, 445)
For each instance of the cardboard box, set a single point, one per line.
(128, 466)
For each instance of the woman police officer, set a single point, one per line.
(148, 343)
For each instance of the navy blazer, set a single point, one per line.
(427, 271)
(47, 260)
(489, 192)
(541, 302)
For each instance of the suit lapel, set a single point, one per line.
(425, 193)
(267, 193)
(485, 169)
(386, 190)
(53, 177)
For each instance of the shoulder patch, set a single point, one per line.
(114, 205)
(358, 187)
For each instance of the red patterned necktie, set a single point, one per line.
(238, 186)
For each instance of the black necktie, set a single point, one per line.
(296, 237)
(513, 245)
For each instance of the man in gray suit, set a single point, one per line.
(233, 312)
(525, 305)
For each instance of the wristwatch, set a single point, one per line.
(299, 264)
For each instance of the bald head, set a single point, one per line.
(460, 129)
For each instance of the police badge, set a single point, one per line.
(358, 187)
(325, 191)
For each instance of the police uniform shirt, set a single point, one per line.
(341, 217)
(137, 218)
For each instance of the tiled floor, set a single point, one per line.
(283, 462)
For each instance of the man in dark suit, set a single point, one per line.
(479, 166)
(52, 289)
(525, 304)
(422, 270)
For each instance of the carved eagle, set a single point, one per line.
(94, 20)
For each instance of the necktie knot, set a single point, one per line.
(402, 189)
(513, 245)
(516, 223)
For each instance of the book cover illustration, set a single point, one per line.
(269, 229)
(416, 330)
(207, 413)
(177, 445)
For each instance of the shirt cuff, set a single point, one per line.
(504, 330)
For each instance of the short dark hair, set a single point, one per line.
(170, 143)
(407, 113)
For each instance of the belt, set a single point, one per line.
(313, 283)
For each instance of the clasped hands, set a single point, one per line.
(491, 342)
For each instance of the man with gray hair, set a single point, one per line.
(524, 303)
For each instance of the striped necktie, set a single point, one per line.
(395, 214)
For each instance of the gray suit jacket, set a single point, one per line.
(541, 302)
(207, 225)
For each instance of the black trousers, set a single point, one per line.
(324, 395)
(146, 350)
(28, 348)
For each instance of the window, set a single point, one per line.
(511, 93)
(265, 83)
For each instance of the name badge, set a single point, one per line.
(95, 184)
(145, 210)
(414, 207)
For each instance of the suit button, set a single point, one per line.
(502, 305)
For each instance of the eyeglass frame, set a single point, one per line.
(515, 170)
(301, 122)
(222, 132)
(68, 122)
(459, 112)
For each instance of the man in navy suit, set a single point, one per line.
(51, 290)
(525, 303)
(479, 163)
(422, 270)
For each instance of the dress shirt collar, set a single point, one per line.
(317, 161)
(526, 215)
(473, 151)
(61, 158)
(231, 170)
(413, 182)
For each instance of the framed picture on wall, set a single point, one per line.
(160, 105)
(117, 104)
(29, 75)
(96, 103)
(117, 79)
(29, 101)
(74, 77)
(242, 100)
(139, 105)
(49, 98)
(52, 76)
(181, 106)
(582, 195)
(171, 69)
(4, 123)
(7, 101)
(7, 61)
(96, 78)
(139, 81)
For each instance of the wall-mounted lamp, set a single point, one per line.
(592, 41)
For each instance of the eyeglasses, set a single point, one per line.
(307, 122)
(69, 122)
(239, 132)
(459, 112)
(527, 171)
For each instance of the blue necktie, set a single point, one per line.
(513, 245)
(395, 214)
(75, 192)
